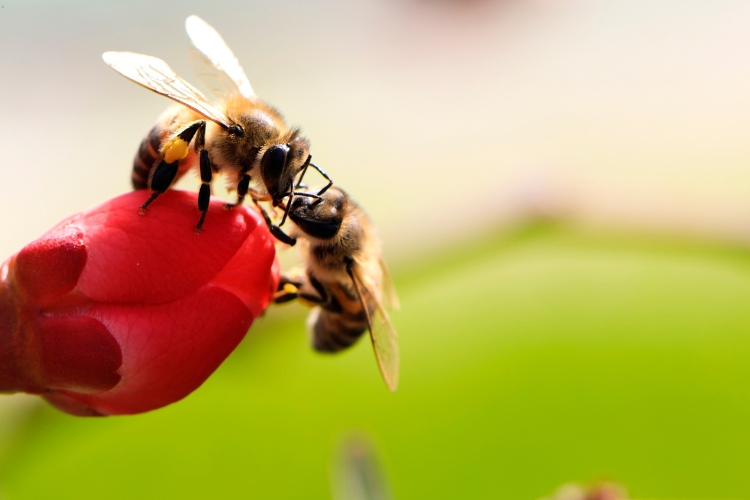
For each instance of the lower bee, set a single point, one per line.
(345, 278)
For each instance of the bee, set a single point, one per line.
(345, 278)
(240, 136)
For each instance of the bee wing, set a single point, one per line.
(156, 75)
(216, 82)
(382, 333)
(390, 298)
(208, 41)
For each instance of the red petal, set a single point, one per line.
(157, 257)
(155, 311)
(253, 274)
(69, 404)
(168, 349)
(78, 354)
(50, 266)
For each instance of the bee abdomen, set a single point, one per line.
(147, 156)
(333, 332)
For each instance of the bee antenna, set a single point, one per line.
(288, 207)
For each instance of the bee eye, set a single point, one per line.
(322, 222)
(274, 159)
(236, 130)
(272, 166)
(317, 228)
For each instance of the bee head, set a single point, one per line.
(280, 165)
(320, 219)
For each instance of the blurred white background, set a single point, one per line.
(441, 117)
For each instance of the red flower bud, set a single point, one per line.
(111, 312)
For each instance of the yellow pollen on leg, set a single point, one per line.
(289, 288)
(174, 150)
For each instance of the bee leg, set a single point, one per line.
(303, 169)
(288, 289)
(301, 193)
(286, 295)
(278, 233)
(287, 208)
(286, 279)
(198, 129)
(322, 298)
(291, 197)
(144, 207)
(172, 153)
(159, 181)
(204, 195)
(177, 148)
(308, 195)
(330, 182)
(242, 188)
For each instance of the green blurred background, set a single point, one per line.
(561, 188)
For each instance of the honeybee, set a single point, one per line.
(240, 136)
(345, 278)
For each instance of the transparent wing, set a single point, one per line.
(156, 75)
(390, 298)
(216, 82)
(209, 42)
(382, 333)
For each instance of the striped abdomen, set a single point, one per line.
(333, 332)
(148, 155)
(338, 324)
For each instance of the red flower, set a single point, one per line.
(112, 312)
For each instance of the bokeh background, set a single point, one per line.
(562, 190)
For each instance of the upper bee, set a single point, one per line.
(240, 135)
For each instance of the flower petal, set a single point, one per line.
(157, 257)
(77, 353)
(253, 273)
(50, 266)
(169, 349)
(112, 312)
